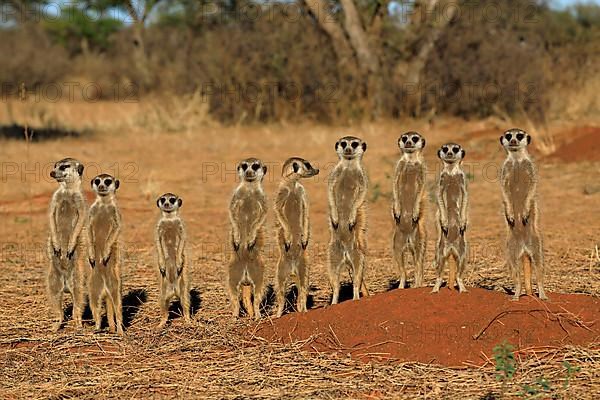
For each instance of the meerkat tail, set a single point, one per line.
(364, 289)
(247, 299)
(452, 264)
(527, 275)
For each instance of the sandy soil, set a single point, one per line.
(219, 357)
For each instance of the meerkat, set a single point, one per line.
(408, 206)
(170, 246)
(104, 227)
(519, 185)
(247, 213)
(347, 194)
(291, 209)
(452, 219)
(68, 212)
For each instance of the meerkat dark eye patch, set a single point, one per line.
(255, 166)
(445, 149)
(520, 136)
(244, 166)
(97, 181)
(508, 136)
(343, 144)
(172, 200)
(108, 182)
(307, 165)
(295, 167)
(162, 200)
(354, 145)
(415, 139)
(455, 149)
(404, 138)
(63, 167)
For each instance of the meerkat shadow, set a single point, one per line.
(176, 308)
(346, 291)
(132, 302)
(394, 284)
(269, 300)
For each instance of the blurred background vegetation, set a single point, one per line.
(322, 60)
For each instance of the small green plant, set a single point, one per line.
(506, 365)
(539, 389)
(571, 371)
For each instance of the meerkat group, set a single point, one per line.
(73, 228)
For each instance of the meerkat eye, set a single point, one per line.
(520, 136)
(445, 149)
(255, 166)
(162, 200)
(404, 138)
(307, 165)
(244, 166)
(415, 139)
(63, 167)
(354, 145)
(508, 136)
(97, 181)
(108, 182)
(343, 144)
(172, 200)
(455, 149)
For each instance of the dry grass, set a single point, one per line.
(214, 357)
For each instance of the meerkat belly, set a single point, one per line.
(101, 227)
(407, 188)
(345, 192)
(250, 213)
(519, 184)
(170, 233)
(293, 213)
(453, 200)
(66, 218)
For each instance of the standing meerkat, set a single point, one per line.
(452, 199)
(247, 213)
(519, 185)
(104, 227)
(291, 209)
(347, 194)
(170, 247)
(408, 206)
(67, 218)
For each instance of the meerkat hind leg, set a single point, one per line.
(185, 299)
(280, 286)
(399, 256)
(55, 295)
(439, 263)
(527, 274)
(452, 270)
(302, 285)
(335, 261)
(247, 300)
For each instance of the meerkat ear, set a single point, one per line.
(528, 139)
(364, 146)
(336, 145)
(501, 142)
(80, 169)
(295, 167)
(423, 141)
(158, 202)
(463, 153)
(180, 202)
(117, 183)
(264, 169)
(92, 182)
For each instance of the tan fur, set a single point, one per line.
(291, 209)
(524, 239)
(408, 206)
(104, 281)
(451, 217)
(247, 213)
(68, 213)
(172, 265)
(347, 193)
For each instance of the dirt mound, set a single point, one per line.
(585, 146)
(448, 328)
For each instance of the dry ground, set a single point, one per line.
(214, 358)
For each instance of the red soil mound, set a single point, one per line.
(585, 146)
(414, 325)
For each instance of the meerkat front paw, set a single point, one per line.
(334, 223)
(525, 219)
(251, 244)
(92, 261)
(106, 259)
(510, 220)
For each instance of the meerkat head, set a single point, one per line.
(350, 147)
(515, 139)
(451, 153)
(251, 170)
(169, 203)
(411, 142)
(298, 167)
(105, 184)
(67, 170)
